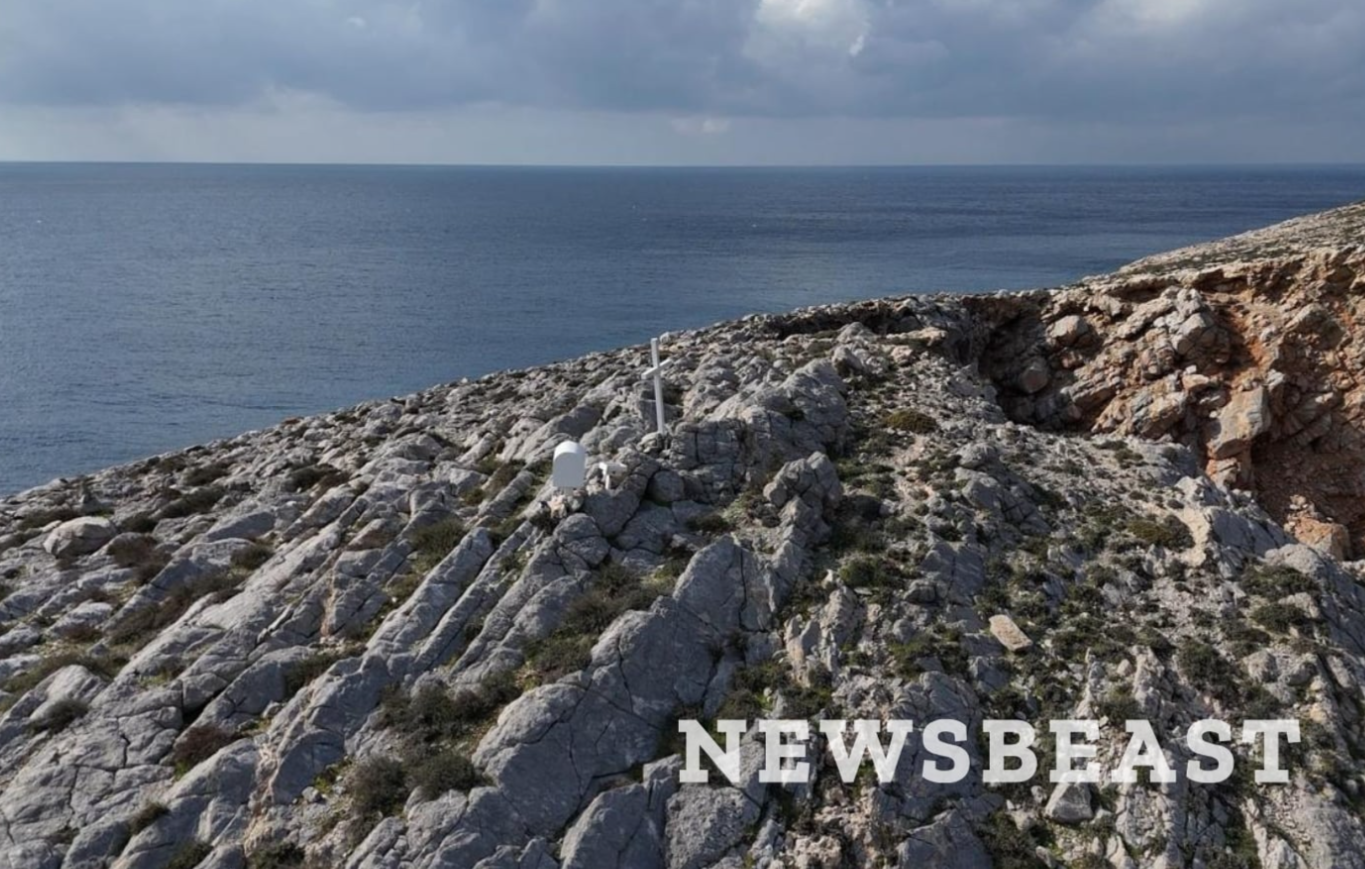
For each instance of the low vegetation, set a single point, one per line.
(304, 671)
(277, 855)
(137, 627)
(310, 477)
(912, 421)
(615, 591)
(107, 667)
(431, 544)
(189, 855)
(1168, 533)
(197, 745)
(149, 814)
(250, 558)
(193, 503)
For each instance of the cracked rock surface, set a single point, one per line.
(380, 639)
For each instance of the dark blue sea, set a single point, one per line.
(149, 307)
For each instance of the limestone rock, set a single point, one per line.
(948, 842)
(1008, 633)
(1069, 803)
(1246, 417)
(79, 537)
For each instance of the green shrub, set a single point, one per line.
(503, 475)
(136, 627)
(277, 855)
(910, 420)
(107, 667)
(433, 543)
(189, 855)
(488, 465)
(1274, 583)
(1169, 533)
(1119, 705)
(1086, 632)
(1011, 847)
(1244, 638)
(860, 572)
(205, 474)
(866, 571)
(1155, 640)
(149, 814)
(446, 770)
(1279, 617)
(377, 787)
(193, 503)
(742, 704)
(615, 591)
(250, 558)
(131, 550)
(1208, 669)
(942, 643)
(710, 523)
(746, 698)
(198, 744)
(60, 716)
(429, 711)
(302, 672)
(432, 713)
(558, 655)
(139, 523)
(311, 476)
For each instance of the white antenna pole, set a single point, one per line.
(658, 383)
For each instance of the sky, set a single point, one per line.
(748, 82)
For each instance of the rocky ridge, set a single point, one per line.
(1244, 350)
(379, 638)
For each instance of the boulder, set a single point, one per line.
(79, 537)
(947, 843)
(1069, 803)
(1008, 633)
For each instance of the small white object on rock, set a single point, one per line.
(570, 465)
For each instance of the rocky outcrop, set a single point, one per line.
(381, 638)
(1243, 350)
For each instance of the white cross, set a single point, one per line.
(657, 373)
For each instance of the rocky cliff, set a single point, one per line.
(380, 638)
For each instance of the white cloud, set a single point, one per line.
(1166, 13)
(836, 26)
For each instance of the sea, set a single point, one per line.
(145, 308)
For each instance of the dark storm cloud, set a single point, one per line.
(1064, 59)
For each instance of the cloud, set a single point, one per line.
(1065, 60)
(701, 126)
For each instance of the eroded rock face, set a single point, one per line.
(1243, 350)
(379, 639)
